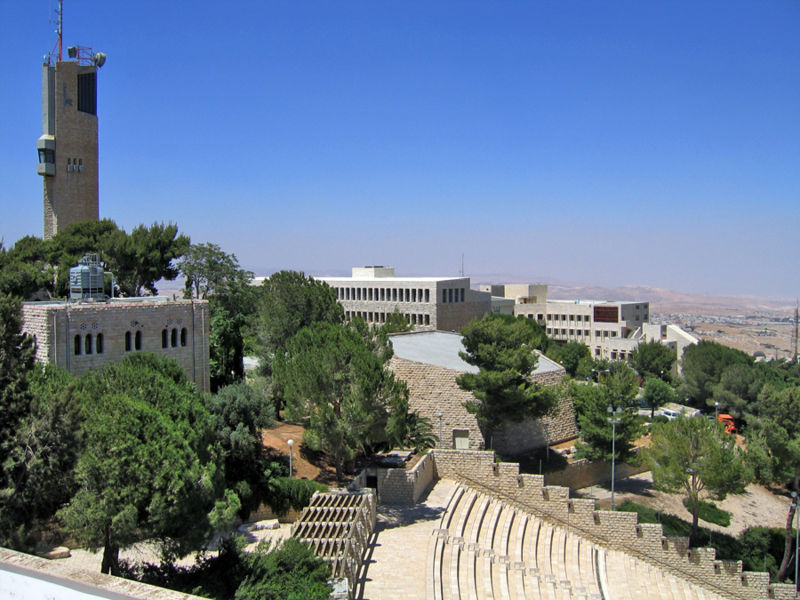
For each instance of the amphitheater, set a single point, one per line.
(485, 531)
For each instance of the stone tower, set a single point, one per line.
(68, 152)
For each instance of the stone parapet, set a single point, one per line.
(616, 530)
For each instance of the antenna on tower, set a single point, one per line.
(60, 27)
(462, 264)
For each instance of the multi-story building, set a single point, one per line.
(610, 329)
(429, 303)
(68, 148)
(85, 335)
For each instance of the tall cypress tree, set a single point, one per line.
(16, 361)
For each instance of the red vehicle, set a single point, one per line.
(727, 420)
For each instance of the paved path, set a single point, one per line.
(395, 565)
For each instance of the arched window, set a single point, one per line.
(127, 341)
(138, 340)
(77, 345)
(98, 344)
(164, 338)
(87, 343)
(183, 336)
(174, 337)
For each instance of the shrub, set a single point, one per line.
(286, 493)
(710, 513)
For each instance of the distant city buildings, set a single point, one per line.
(428, 303)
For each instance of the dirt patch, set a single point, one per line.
(275, 440)
(757, 507)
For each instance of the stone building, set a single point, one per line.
(428, 362)
(80, 336)
(429, 303)
(68, 147)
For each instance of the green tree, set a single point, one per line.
(692, 455)
(703, 365)
(146, 468)
(657, 393)
(207, 267)
(289, 301)
(502, 348)
(332, 380)
(396, 323)
(407, 429)
(569, 355)
(738, 388)
(289, 572)
(37, 469)
(139, 259)
(23, 270)
(617, 389)
(774, 450)
(653, 359)
(238, 413)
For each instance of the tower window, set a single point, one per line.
(174, 338)
(87, 93)
(164, 343)
(77, 345)
(47, 155)
(98, 344)
(183, 336)
(127, 341)
(88, 343)
(138, 340)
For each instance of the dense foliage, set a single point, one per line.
(692, 455)
(653, 360)
(502, 347)
(616, 389)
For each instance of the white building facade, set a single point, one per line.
(428, 303)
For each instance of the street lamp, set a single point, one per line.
(547, 433)
(716, 409)
(615, 418)
(440, 415)
(291, 444)
(796, 505)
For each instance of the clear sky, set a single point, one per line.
(609, 143)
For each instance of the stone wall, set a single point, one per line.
(618, 530)
(56, 325)
(26, 577)
(406, 487)
(433, 390)
(583, 473)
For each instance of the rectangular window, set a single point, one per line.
(414, 295)
(450, 295)
(427, 297)
(427, 319)
(444, 296)
(87, 93)
(462, 294)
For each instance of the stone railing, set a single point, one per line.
(617, 530)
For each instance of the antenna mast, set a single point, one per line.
(462, 264)
(60, 26)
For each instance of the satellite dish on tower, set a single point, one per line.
(98, 58)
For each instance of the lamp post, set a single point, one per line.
(291, 444)
(547, 433)
(796, 504)
(440, 415)
(615, 418)
(716, 410)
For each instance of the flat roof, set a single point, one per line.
(392, 279)
(441, 348)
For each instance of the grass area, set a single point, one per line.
(710, 513)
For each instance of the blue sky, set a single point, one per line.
(608, 143)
